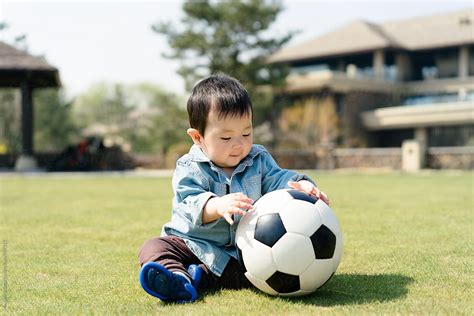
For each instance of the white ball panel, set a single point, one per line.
(293, 253)
(272, 202)
(246, 229)
(338, 251)
(260, 284)
(294, 294)
(316, 274)
(328, 217)
(300, 217)
(258, 260)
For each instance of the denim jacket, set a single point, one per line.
(197, 179)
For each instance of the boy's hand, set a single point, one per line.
(225, 206)
(309, 188)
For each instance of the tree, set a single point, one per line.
(310, 123)
(10, 121)
(161, 120)
(231, 37)
(102, 103)
(137, 114)
(54, 126)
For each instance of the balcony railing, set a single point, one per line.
(443, 114)
(340, 81)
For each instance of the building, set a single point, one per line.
(392, 82)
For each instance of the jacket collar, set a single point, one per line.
(196, 154)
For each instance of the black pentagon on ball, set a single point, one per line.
(324, 243)
(283, 282)
(298, 195)
(269, 229)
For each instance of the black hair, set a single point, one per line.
(221, 92)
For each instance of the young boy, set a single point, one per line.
(214, 185)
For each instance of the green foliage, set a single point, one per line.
(164, 123)
(10, 120)
(146, 117)
(54, 127)
(230, 37)
(142, 116)
(73, 243)
(104, 103)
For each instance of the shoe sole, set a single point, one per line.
(143, 273)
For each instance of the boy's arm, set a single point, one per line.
(194, 200)
(225, 206)
(191, 193)
(275, 178)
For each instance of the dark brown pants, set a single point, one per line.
(172, 253)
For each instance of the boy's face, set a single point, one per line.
(226, 141)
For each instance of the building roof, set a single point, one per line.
(16, 66)
(441, 30)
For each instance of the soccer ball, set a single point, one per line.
(290, 244)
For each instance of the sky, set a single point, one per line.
(112, 41)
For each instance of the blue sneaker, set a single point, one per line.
(159, 282)
(196, 273)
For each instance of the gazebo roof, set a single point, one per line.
(16, 66)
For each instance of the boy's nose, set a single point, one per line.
(238, 143)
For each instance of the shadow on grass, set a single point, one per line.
(348, 289)
(344, 289)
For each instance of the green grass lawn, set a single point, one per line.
(72, 247)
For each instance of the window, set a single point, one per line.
(302, 70)
(451, 135)
(427, 99)
(447, 63)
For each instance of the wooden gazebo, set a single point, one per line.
(19, 69)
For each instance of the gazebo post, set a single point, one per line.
(27, 119)
(26, 161)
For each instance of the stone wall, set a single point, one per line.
(437, 158)
(296, 159)
(451, 158)
(368, 158)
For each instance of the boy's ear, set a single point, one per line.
(195, 135)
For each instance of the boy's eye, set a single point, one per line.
(225, 138)
(246, 135)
